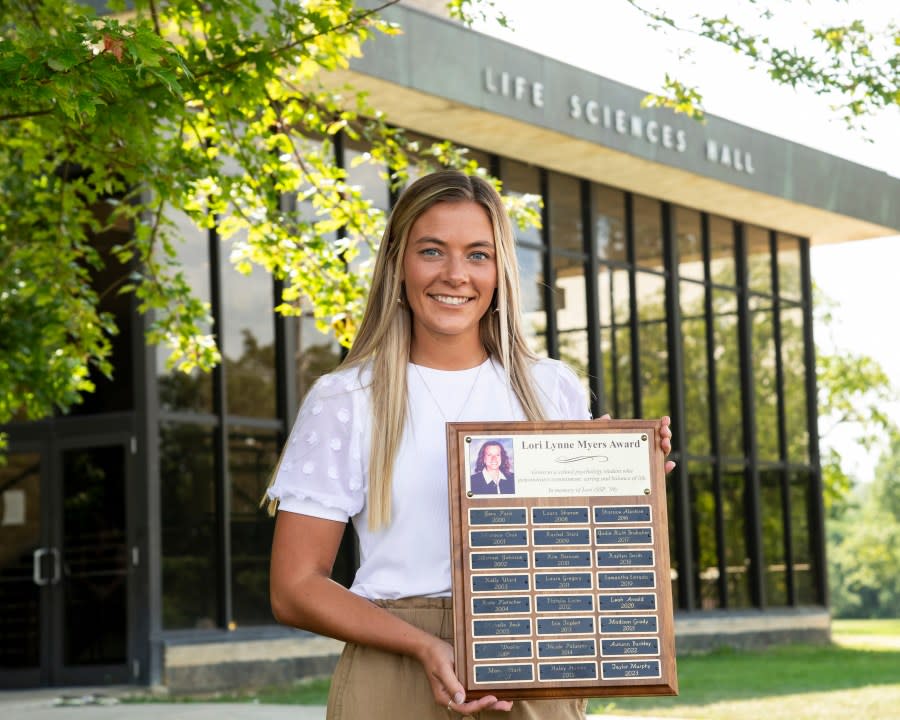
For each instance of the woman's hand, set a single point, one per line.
(665, 438)
(437, 660)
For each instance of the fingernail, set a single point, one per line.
(459, 697)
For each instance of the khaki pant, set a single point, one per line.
(370, 684)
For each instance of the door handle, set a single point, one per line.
(36, 567)
(56, 566)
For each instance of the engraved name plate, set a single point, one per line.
(497, 516)
(554, 515)
(562, 558)
(501, 605)
(499, 561)
(564, 603)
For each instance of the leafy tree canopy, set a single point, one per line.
(216, 110)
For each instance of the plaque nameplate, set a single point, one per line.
(503, 650)
(567, 648)
(621, 580)
(627, 624)
(613, 603)
(554, 515)
(622, 514)
(499, 583)
(567, 671)
(497, 516)
(629, 646)
(561, 582)
(509, 626)
(623, 536)
(498, 538)
(504, 673)
(632, 669)
(501, 605)
(565, 625)
(564, 603)
(562, 558)
(499, 561)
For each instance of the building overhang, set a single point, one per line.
(444, 80)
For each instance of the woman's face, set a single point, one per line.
(492, 457)
(450, 272)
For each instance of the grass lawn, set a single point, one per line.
(856, 677)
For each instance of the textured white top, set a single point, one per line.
(324, 472)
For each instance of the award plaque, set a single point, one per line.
(560, 559)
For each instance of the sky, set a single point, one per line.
(612, 39)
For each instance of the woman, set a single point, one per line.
(441, 341)
(493, 473)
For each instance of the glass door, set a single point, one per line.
(64, 564)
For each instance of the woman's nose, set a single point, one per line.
(455, 270)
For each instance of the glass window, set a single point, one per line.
(178, 390)
(802, 509)
(252, 454)
(759, 260)
(247, 338)
(772, 519)
(789, 282)
(315, 354)
(615, 341)
(721, 250)
(521, 179)
(765, 387)
(696, 374)
(187, 499)
(737, 561)
(690, 244)
(793, 363)
(531, 279)
(566, 228)
(648, 236)
(728, 374)
(571, 313)
(703, 530)
(677, 600)
(654, 358)
(609, 223)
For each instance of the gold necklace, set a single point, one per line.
(435, 400)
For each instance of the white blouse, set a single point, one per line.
(324, 471)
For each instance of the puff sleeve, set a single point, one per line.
(321, 470)
(562, 393)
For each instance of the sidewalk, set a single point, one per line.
(104, 704)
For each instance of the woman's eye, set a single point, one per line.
(479, 255)
(430, 252)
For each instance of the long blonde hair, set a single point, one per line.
(384, 336)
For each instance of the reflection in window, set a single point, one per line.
(615, 341)
(187, 499)
(651, 297)
(696, 375)
(248, 339)
(721, 250)
(765, 387)
(728, 374)
(802, 509)
(571, 313)
(315, 354)
(521, 179)
(178, 390)
(252, 454)
(789, 281)
(690, 243)
(772, 518)
(759, 260)
(609, 223)
(648, 236)
(794, 368)
(737, 561)
(531, 278)
(677, 600)
(566, 232)
(703, 526)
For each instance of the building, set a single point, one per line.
(672, 270)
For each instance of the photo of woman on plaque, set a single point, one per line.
(493, 473)
(441, 340)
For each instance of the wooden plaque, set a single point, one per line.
(560, 568)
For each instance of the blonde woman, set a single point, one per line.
(441, 341)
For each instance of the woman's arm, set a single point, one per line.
(304, 596)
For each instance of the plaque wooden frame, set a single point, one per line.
(633, 649)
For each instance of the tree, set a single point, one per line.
(855, 66)
(111, 122)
